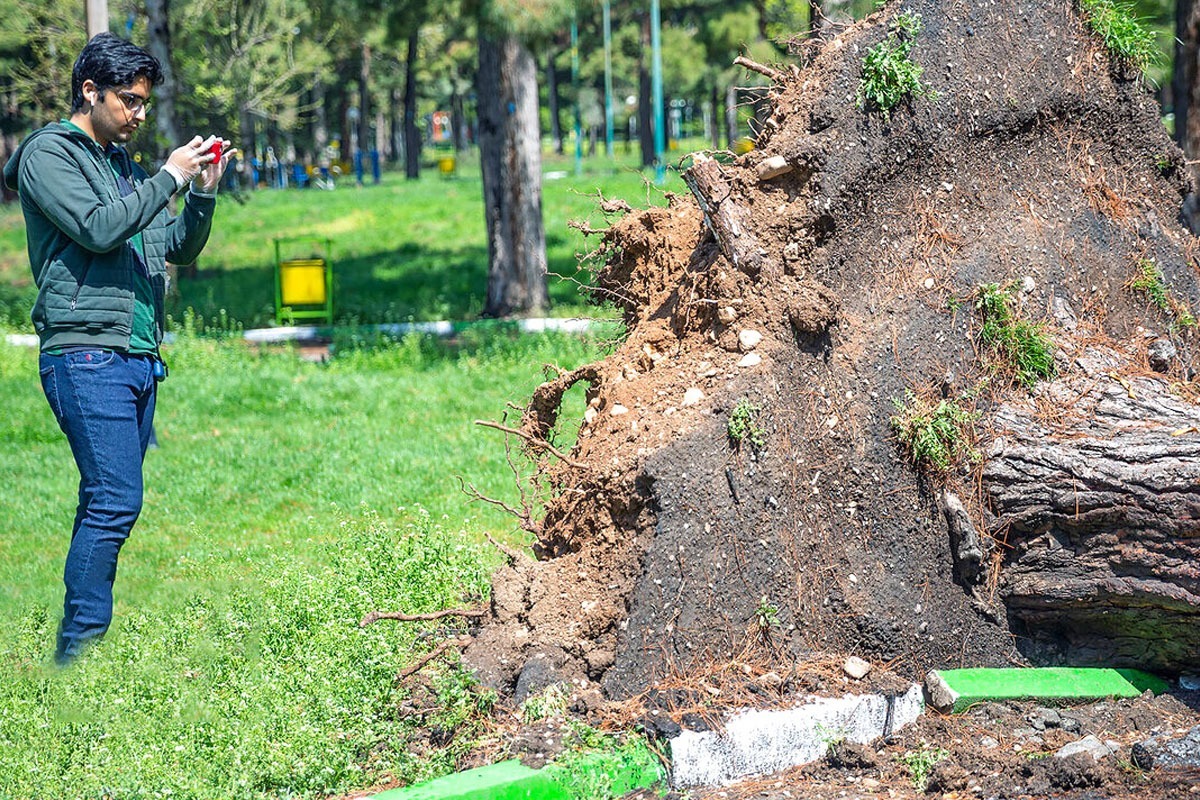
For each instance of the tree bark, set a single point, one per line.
(1099, 511)
(510, 156)
(158, 43)
(729, 222)
(645, 103)
(412, 136)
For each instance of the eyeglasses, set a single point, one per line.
(134, 102)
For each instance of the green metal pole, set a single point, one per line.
(575, 84)
(608, 92)
(656, 89)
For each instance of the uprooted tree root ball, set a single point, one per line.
(832, 270)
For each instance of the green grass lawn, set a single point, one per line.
(287, 499)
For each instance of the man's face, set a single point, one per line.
(119, 110)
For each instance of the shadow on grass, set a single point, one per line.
(410, 282)
(15, 305)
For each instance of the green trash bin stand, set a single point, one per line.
(303, 283)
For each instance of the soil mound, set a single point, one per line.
(810, 287)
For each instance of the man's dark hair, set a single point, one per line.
(109, 61)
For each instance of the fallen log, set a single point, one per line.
(1101, 515)
(728, 220)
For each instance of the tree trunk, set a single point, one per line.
(715, 114)
(246, 126)
(1184, 75)
(1100, 517)
(412, 136)
(364, 106)
(346, 151)
(645, 103)
(395, 126)
(458, 122)
(511, 160)
(158, 43)
(382, 126)
(320, 120)
(731, 116)
(1186, 89)
(556, 134)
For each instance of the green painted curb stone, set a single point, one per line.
(608, 774)
(507, 780)
(591, 776)
(956, 690)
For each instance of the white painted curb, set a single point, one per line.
(438, 328)
(758, 742)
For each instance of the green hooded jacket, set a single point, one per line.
(78, 226)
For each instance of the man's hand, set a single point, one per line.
(210, 174)
(186, 162)
(195, 160)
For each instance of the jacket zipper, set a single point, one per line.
(79, 287)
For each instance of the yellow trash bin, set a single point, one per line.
(304, 284)
(302, 281)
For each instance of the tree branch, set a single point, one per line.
(754, 66)
(416, 667)
(540, 444)
(469, 489)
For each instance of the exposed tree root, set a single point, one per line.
(374, 616)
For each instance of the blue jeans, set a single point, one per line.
(104, 403)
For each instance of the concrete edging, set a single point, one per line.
(762, 742)
(955, 690)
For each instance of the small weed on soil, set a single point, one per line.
(1018, 346)
(934, 436)
(889, 74)
(1122, 32)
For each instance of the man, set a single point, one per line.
(99, 234)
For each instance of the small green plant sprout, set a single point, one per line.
(889, 74)
(1163, 163)
(547, 704)
(1018, 347)
(919, 763)
(934, 435)
(743, 425)
(766, 616)
(1148, 279)
(1122, 33)
(831, 737)
(766, 619)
